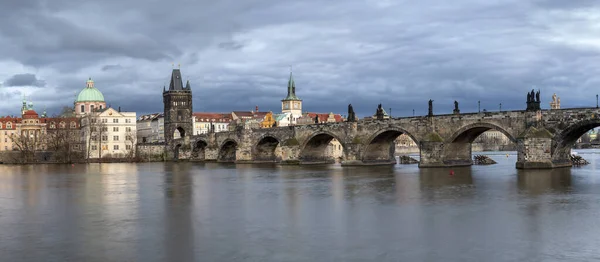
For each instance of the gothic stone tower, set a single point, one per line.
(178, 109)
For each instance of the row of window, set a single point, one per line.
(115, 138)
(91, 108)
(115, 147)
(115, 129)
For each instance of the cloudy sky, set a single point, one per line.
(237, 54)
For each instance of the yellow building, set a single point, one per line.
(268, 121)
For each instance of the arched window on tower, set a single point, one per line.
(100, 107)
(91, 108)
(82, 108)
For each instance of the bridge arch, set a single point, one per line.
(457, 148)
(179, 132)
(468, 133)
(265, 149)
(199, 149)
(380, 147)
(176, 150)
(563, 141)
(227, 151)
(314, 148)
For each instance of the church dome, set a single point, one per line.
(90, 93)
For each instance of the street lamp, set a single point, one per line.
(413, 112)
(390, 112)
(500, 107)
(596, 100)
(479, 106)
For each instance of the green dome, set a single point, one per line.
(90, 93)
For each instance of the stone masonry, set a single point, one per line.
(544, 139)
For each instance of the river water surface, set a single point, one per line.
(226, 212)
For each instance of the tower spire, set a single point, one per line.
(291, 88)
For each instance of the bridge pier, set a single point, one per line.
(534, 150)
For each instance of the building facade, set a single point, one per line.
(151, 128)
(109, 133)
(8, 128)
(203, 122)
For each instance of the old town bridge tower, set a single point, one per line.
(178, 109)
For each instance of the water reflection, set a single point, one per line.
(179, 233)
(228, 212)
(536, 182)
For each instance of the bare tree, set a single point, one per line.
(28, 142)
(94, 133)
(130, 142)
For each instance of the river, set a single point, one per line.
(227, 212)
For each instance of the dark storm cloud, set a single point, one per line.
(24, 80)
(237, 53)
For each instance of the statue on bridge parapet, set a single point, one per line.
(456, 111)
(533, 100)
(316, 119)
(430, 108)
(379, 112)
(351, 115)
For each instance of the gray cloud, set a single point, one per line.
(24, 80)
(237, 54)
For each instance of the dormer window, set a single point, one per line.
(62, 124)
(52, 125)
(73, 125)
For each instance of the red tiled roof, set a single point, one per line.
(218, 117)
(324, 116)
(57, 121)
(12, 120)
(30, 114)
(250, 114)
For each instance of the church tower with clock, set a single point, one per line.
(292, 105)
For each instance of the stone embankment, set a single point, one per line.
(483, 160)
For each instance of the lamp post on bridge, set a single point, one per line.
(413, 112)
(500, 107)
(390, 112)
(479, 106)
(596, 100)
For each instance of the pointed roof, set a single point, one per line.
(291, 89)
(176, 82)
(187, 85)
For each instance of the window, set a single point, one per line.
(93, 138)
(105, 129)
(91, 108)
(93, 120)
(127, 120)
(104, 120)
(116, 138)
(93, 129)
(128, 129)
(115, 120)
(104, 138)
(100, 107)
(128, 138)
(82, 108)
(128, 147)
(116, 147)
(9, 125)
(94, 147)
(73, 125)
(115, 129)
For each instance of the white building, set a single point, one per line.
(109, 133)
(151, 128)
(202, 122)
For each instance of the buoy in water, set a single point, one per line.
(506, 155)
(451, 172)
(72, 165)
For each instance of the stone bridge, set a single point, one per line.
(544, 139)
